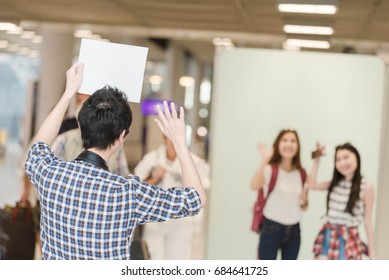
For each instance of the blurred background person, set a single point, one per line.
(169, 240)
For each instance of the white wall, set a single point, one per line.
(332, 98)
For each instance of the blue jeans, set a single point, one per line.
(275, 236)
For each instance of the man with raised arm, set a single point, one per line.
(87, 211)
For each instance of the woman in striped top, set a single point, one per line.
(349, 203)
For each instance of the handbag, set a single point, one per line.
(17, 234)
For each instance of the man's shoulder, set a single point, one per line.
(40, 153)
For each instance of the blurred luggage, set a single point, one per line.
(139, 249)
(17, 234)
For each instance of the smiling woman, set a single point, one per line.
(280, 178)
(350, 202)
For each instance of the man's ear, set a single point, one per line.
(122, 136)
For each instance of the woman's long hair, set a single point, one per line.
(276, 158)
(355, 182)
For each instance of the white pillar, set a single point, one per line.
(171, 90)
(196, 72)
(382, 197)
(56, 57)
(175, 62)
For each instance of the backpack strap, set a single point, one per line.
(273, 179)
(303, 174)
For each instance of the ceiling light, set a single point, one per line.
(81, 33)
(305, 6)
(290, 48)
(205, 92)
(202, 131)
(27, 35)
(7, 26)
(186, 81)
(96, 37)
(308, 9)
(223, 42)
(188, 134)
(18, 30)
(308, 43)
(307, 29)
(155, 80)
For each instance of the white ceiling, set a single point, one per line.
(362, 25)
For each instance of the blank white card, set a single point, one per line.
(117, 65)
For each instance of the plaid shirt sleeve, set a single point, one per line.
(155, 204)
(39, 157)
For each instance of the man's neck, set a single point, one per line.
(105, 154)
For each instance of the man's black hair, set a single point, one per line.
(103, 117)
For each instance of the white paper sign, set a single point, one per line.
(116, 65)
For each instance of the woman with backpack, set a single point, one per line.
(350, 202)
(281, 178)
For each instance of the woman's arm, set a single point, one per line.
(312, 178)
(258, 179)
(368, 222)
(303, 199)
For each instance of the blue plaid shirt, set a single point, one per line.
(90, 213)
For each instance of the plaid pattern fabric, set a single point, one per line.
(353, 250)
(89, 213)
